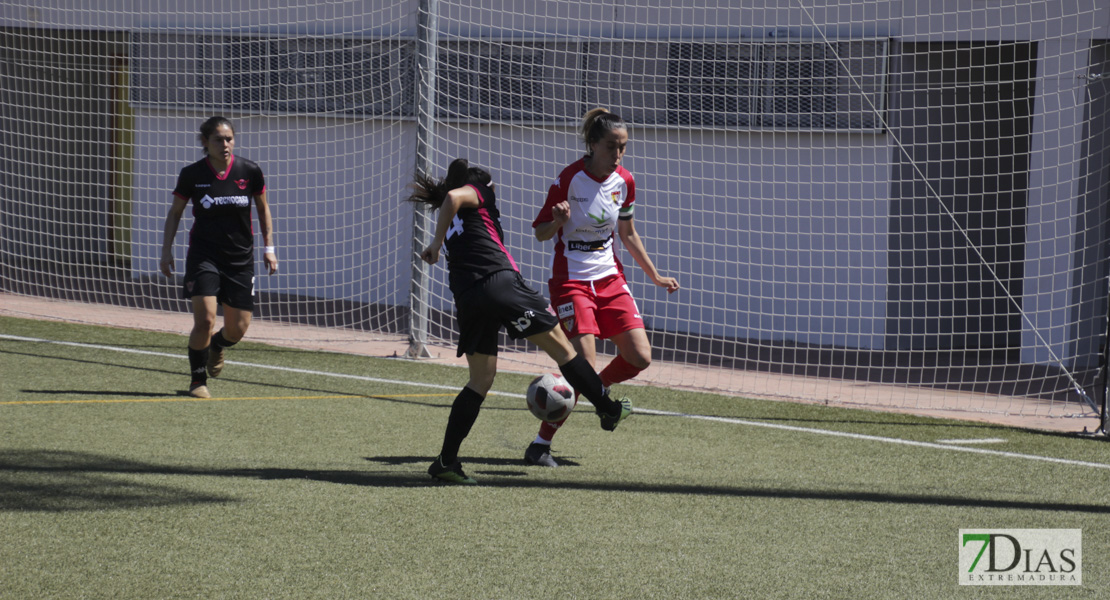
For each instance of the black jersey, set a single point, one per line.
(221, 210)
(475, 243)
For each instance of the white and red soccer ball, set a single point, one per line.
(550, 397)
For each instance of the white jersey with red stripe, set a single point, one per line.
(584, 244)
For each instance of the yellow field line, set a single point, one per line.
(190, 399)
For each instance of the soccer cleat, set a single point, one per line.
(451, 473)
(610, 422)
(199, 390)
(215, 361)
(539, 455)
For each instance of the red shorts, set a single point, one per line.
(603, 307)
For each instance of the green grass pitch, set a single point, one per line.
(305, 478)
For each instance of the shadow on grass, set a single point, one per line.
(114, 394)
(61, 481)
(54, 481)
(397, 461)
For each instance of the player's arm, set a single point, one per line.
(635, 246)
(173, 219)
(554, 214)
(546, 230)
(266, 227)
(458, 198)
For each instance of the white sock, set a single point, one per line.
(540, 440)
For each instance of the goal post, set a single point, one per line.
(427, 41)
(899, 204)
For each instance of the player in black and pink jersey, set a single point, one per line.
(592, 198)
(219, 266)
(490, 294)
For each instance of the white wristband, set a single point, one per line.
(268, 250)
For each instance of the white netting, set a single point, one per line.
(909, 193)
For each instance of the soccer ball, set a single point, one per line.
(550, 397)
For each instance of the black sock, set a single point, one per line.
(464, 411)
(219, 341)
(582, 377)
(198, 359)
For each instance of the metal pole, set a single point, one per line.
(1102, 381)
(1104, 388)
(427, 44)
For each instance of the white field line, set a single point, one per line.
(646, 411)
(974, 441)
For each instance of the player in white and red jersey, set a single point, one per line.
(490, 294)
(589, 201)
(219, 267)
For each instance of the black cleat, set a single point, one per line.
(539, 455)
(610, 422)
(451, 473)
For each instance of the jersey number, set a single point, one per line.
(455, 228)
(524, 322)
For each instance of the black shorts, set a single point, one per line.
(231, 286)
(502, 299)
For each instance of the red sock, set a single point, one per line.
(618, 370)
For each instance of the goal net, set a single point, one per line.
(898, 204)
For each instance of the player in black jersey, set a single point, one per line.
(219, 267)
(490, 294)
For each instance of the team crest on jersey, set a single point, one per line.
(616, 198)
(242, 183)
(568, 324)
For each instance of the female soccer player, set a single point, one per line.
(590, 199)
(219, 267)
(490, 294)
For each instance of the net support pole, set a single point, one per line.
(426, 47)
(1102, 381)
(1103, 386)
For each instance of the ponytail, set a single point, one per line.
(432, 192)
(598, 122)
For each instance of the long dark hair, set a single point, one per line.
(208, 127)
(432, 192)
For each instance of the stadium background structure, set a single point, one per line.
(904, 193)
